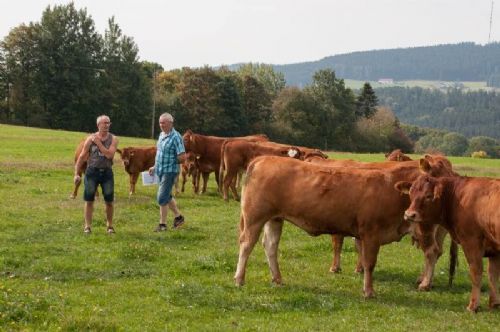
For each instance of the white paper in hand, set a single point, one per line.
(148, 180)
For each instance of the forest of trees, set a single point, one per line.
(60, 73)
(453, 62)
(472, 113)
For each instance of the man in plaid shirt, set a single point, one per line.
(170, 153)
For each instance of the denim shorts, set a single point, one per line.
(167, 181)
(95, 177)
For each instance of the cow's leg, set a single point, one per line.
(249, 234)
(369, 251)
(270, 241)
(184, 179)
(359, 263)
(238, 179)
(493, 274)
(431, 243)
(229, 183)
(337, 241)
(205, 181)
(133, 181)
(234, 189)
(196, 182)
(176, 184)
(474, 255)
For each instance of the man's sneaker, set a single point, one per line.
(161, 228)
(110, 230)
(178, 221)
(87, 230)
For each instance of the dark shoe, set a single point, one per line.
(110, 230)
(87, 230)
(178, 221)
(161, 228)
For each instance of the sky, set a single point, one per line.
(193, 33)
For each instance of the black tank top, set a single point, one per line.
(96, 158)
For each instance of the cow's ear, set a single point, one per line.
(387, 154)
(438, 190)
(403, 187)
(424, 164)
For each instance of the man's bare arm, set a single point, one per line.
(110, 152)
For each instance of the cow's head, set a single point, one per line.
(127, 154)
(188, 140)
(310, 155)
(436, 165)
(397, 155)
(426, 198)
(190, 162)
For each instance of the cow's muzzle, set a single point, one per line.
(410, 216)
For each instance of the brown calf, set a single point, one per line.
(135, 161)
(208, 150)
(81, 170)
(469, 209)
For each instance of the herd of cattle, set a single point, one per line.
(377, 203)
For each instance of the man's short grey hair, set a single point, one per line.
(167, 116)
(102, 117)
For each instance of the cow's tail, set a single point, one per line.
(222, 167)
(453, 261)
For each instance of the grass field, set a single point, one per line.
(53, 277)
(467, 86)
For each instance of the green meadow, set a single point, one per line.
(54, 277)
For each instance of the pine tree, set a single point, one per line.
(367, 102)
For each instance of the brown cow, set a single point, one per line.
(81, 170)
(137, 160)
(397, 155)
(189, 168)
(237, 154)
(320, 200)
(207, 150)
(469, 208)
(429, 239)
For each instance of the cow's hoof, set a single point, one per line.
(239, 282)
(474, 309)
(335, 269)
(494, 304)
(277, 282)
(369, 294)
(358, 270)
(424, 288)
(72, 196)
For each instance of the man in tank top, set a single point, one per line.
(99, 150)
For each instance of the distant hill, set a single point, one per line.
(452, 62)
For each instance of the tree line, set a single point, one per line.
(61, 73)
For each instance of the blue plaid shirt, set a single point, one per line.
(169, 146)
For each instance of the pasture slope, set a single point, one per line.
(53, 277)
